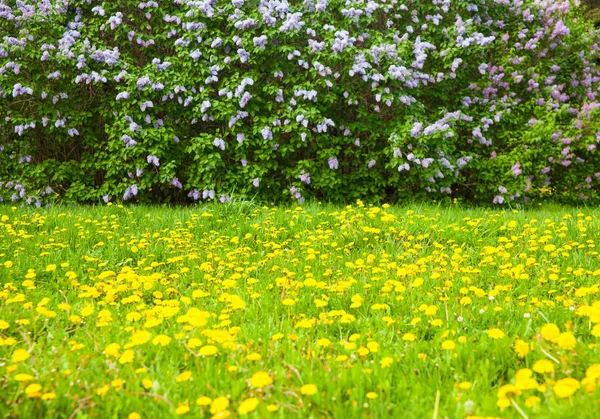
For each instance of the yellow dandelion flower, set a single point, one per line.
(203, 401)
(566, 340)
(494, 333)
(219, 404)
(532, 401)
(550, 332)
(140, 337)
(386, 362)
(127, 357)
(184, 376)
(521, 348)
(566, 387)
(247, 406)
(543, 366)
(103, 390)
(448, 345)
(465, 385)
(33, 390)
(20, 355)
(261, 379)
(162, 340)
(208, 350)
(308, 389)
(112, 350)
(182, 408)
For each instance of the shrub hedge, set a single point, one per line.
(334, 100)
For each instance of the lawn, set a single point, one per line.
(315, 311)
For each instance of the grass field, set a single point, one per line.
(319, 311)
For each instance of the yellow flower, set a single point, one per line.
(247, 406)
(87, 310)
(253, 357)
(147, 383)
(371, 395)
(50, 268)
(409, 337)
(531, 401)
(182, 408)
(593, 372)
(521, 348)
(219, 404)
(524, 381)
(33, 390)
(543, 366)
(103, 390)
(134, 415)
(550, 332)
(566, 387)
(323, 342)
(184, 376)
(363, 351)
(308, 389)
(4, 325)
(24, 377)
(448, 345)
(112, 350)
(194, 343)
(140, 337)
(508, 389)
(162, 340)
(494, 333)
(203, 401)
(127, 357)
(49, 396)
(20, 355)
(261, 379)
(386, 362)
(208, 350)
(465, 385)
(566, 340)
(503, 402)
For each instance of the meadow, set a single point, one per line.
(314, 311)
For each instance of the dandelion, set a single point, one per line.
(20, 355)
(247, 406)
(448, 345)
(566, 387)
(550, 332)
(219, 404)
(261, 379)
(494, 333)
(543, 366)
(308, 389)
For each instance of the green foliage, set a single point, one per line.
(329, 100)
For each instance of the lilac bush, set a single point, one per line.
(381, 99)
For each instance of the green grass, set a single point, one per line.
(319, 295)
